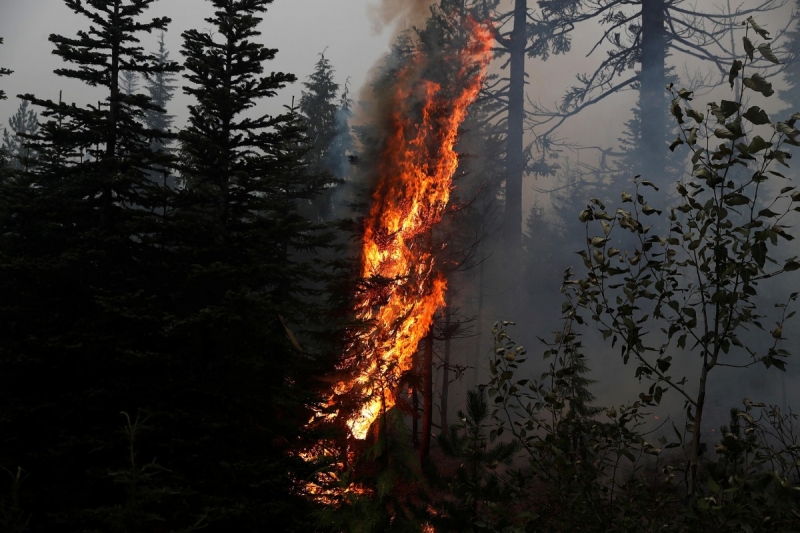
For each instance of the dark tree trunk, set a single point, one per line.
(515, 160)
(415, 404)
(107, 197)
(476, 362)
(445, 374)
(694, 448)
(427, 396)
(652, 93)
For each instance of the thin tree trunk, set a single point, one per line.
(652, 95)
(427, 396)
(515, 160)
(694, 448)
(476, 361)
(107, 195)
(415, 404)
(445, 374)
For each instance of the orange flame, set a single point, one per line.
(417, 163)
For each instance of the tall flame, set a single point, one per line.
(402, 287)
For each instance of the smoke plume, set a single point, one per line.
(398, 12)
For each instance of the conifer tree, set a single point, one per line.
(130, 82)
(318, 106)
(3, 72)
(343, 142)
(24, 123)
(791, 95)
(160, 88)
(326, 117)
(79, 319)
(241, 281)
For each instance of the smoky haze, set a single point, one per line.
(399, 12)
(354, 35)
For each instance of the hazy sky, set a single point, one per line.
(349, 31)
(299, 29)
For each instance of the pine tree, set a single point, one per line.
(79, 320)
(241, 280)
(160, 88)
(343, 141)
(3, 72)
(130, 82)
(24, 123)
(791, 95)
(319, 109)
(3, 155)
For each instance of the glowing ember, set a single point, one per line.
(402, 288)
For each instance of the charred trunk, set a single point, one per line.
(427, 396)
(515, 159)
(415, 404)
(445, 374)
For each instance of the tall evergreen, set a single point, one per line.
(160, 88)
(343, 142)
(319, 108)
(326, 116)
(791, 95)
(25, 122)
(244, 278)
(3, 72)
(129, 82)
(80, 318)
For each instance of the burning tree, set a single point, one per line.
(402, 284)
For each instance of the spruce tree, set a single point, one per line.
(130, 82)
(3, 72)
(343, 142)
(80, 320)
(160, 88)
(791, 95)
(325, 116)
(3, 155)
(25, 122)
(318, 106)
(241, 283)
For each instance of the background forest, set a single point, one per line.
(179, 265)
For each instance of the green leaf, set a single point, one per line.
(780, 156)
(729, 108)
(748, 47)
(696, 115)
(787, 130)
(736, 198)
(735, 69)
(716, 111)
(724, 133)
(757, 144)
(758, 29)
(713, 485)
(766, 52)
(756, 115)
(791, 265)
(692, 139)
(757, 83)
(675, 108)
